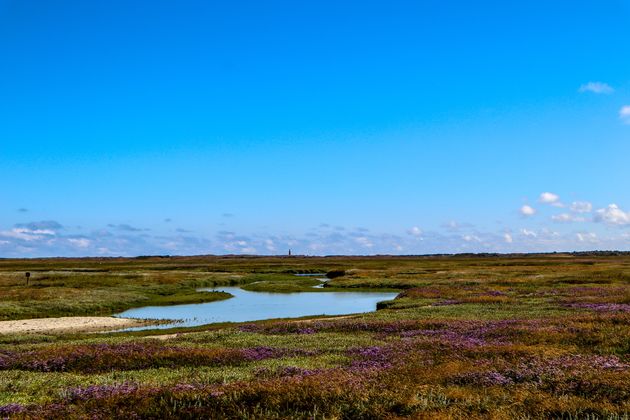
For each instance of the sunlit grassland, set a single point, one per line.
(544, 336)
(68, 293)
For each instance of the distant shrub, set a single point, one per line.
(333, 274)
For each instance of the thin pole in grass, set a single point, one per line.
(28, 275)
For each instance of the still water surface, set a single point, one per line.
(254, 306)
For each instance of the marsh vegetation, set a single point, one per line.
(541, 336)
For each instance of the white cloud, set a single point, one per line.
(527, 210)
(471, 238)
(624, 114)
(269, 245)
(80, 242)
(415, 231)
(550, 198)
(171, 245)
(528, 239)
(587, 237)
(566, 217)
(597, 87)
(549, 233)
(26, 234)
(49, 238)
(612, 215)
(581, 207)
(529, 233)
(454, 225)
(364, 241)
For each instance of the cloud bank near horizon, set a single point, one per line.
(577, 226)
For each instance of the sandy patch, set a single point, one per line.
(326, 318)
(166, 336)
(67, 324)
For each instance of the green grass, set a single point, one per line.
(68, 293)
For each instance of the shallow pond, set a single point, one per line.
(254, 306)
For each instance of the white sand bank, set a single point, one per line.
(67, 324)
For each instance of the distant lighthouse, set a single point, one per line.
(289, 252)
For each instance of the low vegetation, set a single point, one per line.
(542, 336)
(67, 292)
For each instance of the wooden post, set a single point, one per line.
(28, 275)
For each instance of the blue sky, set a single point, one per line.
(194, 127)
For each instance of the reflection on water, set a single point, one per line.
(253, 306)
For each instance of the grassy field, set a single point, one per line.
(510, 337)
